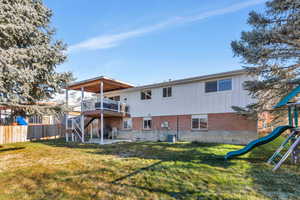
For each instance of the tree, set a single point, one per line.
(271, 52)
(29, 57)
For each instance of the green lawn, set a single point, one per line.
(55, 170)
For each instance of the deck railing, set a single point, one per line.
(108, 104)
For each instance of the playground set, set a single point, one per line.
(290, 146)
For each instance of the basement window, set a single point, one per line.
(147, 123)
(199, 122)
(127, 123)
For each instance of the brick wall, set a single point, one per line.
(137, 123)
(158, 120)
(218, 121)
(113, 122)
(184, 122)
(230, 122)
(222, 128)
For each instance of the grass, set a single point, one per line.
(145, 170)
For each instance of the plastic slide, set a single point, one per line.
(261, 141)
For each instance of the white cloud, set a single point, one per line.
(110, 41)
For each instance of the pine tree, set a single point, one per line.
(271, 53)
(29, 57)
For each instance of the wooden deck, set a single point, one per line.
(106, 113)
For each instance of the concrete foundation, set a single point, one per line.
(211, 136)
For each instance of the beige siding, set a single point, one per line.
(188, 99)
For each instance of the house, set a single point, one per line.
(193, 109)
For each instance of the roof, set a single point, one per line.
(93, 85)
(288, 98)
(188, 80)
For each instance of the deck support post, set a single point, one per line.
(82, 116)
(101, 114)
(91, 130)
(296, 116)
(67, 116)
(290, 116)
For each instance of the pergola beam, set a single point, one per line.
(93, 85)
(82, 115)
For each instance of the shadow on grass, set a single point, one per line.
(11, 149)
(284, 184)
(136, 172)
(194, 152)
(177, 195)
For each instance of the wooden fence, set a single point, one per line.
(13, 134)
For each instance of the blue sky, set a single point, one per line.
(140, 41)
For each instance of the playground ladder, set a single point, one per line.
(284, 145)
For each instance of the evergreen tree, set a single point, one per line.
(271, 52)
(29, 57)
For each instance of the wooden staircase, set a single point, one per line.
(75, 128)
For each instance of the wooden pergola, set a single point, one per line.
(98, 85)
(94, 85)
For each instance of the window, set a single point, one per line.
(127, 123)
(147, 123)
(225, 84)
(199, 122)
(145, 95)
(219, 85)
(36, 119)
(211, 86)
(167, 92)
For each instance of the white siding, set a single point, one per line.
(189, 98)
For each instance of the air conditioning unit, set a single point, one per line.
(165, 124)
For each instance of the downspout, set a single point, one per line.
(177, 128)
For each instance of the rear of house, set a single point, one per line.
(193, 109)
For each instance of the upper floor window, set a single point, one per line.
(225, 84)
(211, 86)
(218, 85)
(167, 92)
(147, 94)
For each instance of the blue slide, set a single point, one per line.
(261, 141)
